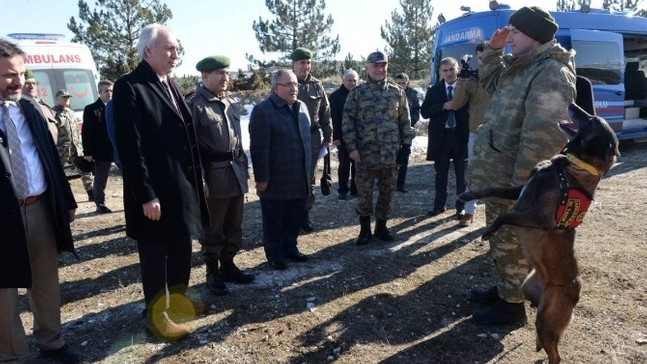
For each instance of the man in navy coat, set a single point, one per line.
(448, 135)
(36, 208)
(163, 197)
(279, 131)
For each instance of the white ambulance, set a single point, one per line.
(58, 64)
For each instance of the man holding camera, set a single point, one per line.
(448, 134)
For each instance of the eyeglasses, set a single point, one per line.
(289, 84)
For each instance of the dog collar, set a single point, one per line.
(582, 164)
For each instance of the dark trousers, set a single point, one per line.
(345, 170)
(451, 151)
(223, 239)
(282, 220)
(164, 264)
(101, 171)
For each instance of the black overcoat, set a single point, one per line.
(95, 132)
(15, 271)
(159, 157)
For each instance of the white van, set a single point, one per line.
(58, 64)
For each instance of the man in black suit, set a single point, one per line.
(163, 197)
(448, 135)
(96, 143)
(36, 208)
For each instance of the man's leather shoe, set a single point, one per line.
(297, 257)
(488, 296)
(231, 273)
(278, 265)
(64, 354)
(437, 211)
(502, 313)
(103, 209)
(215, 283)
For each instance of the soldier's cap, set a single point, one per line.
(212, 63)
(377, 57)
(62, 92)
(301, 53)
(535, 22)
(29, 74)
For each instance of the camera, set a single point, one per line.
(466, 71)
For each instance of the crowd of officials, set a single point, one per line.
(185, 172)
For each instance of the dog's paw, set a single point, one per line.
(467, 196)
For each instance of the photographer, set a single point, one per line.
(469, 90)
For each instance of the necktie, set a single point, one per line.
(451, 118)
(170, 94)
(16, 158)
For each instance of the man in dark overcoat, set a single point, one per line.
(36, 208)
(279, 132)
(163, 198)
(448, 135)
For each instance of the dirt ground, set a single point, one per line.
(400, 302)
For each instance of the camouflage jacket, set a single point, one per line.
(69, 140)
(469, 90)
(312, 93)
(217, 124)
(376, 122)
(530, 95)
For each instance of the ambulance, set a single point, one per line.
(58, 64)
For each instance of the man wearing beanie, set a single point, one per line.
(531, 90)
(312, 93)
(218, 130)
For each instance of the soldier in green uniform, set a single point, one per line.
(376, 127)
(531, 90)
(224, 162)
(312, 93)
(69, 140)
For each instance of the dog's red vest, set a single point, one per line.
(571, 211)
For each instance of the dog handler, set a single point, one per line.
(531, 90)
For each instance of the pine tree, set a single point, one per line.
(410, 38)
(111, 31)
(571, 5)
(631, 6)
(297, 23)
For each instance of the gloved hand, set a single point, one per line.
(403, 154)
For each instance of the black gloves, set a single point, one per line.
(403, 154)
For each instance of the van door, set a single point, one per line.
(600, 58)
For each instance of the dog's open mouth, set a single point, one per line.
(568, 127)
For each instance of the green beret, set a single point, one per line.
(29, 74)
(301, 53)
(209, 64)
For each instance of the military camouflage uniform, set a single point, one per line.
(69, 144)
(530, 95)
(376, 123)
(312, 93)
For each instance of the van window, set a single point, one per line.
(80, 84)
(598, 61)
(45, 87)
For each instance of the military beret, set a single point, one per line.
(29, 74)
(301, 53)
(211, 63)
(535, 22)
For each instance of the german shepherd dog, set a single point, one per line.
(549, 206)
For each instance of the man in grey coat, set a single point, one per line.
(279, 131)
(225, 171)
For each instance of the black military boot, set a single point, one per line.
(306, 226)
(365, 231)
(381, 232)
(215, 282)
(502, 313)
(488, 296)
(230, 272)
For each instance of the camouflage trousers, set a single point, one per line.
(71, 172)
(509, 261)
(365, 180)
(315, 140)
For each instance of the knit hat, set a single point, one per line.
(212, 63)
(301, 53)
(535, 22)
